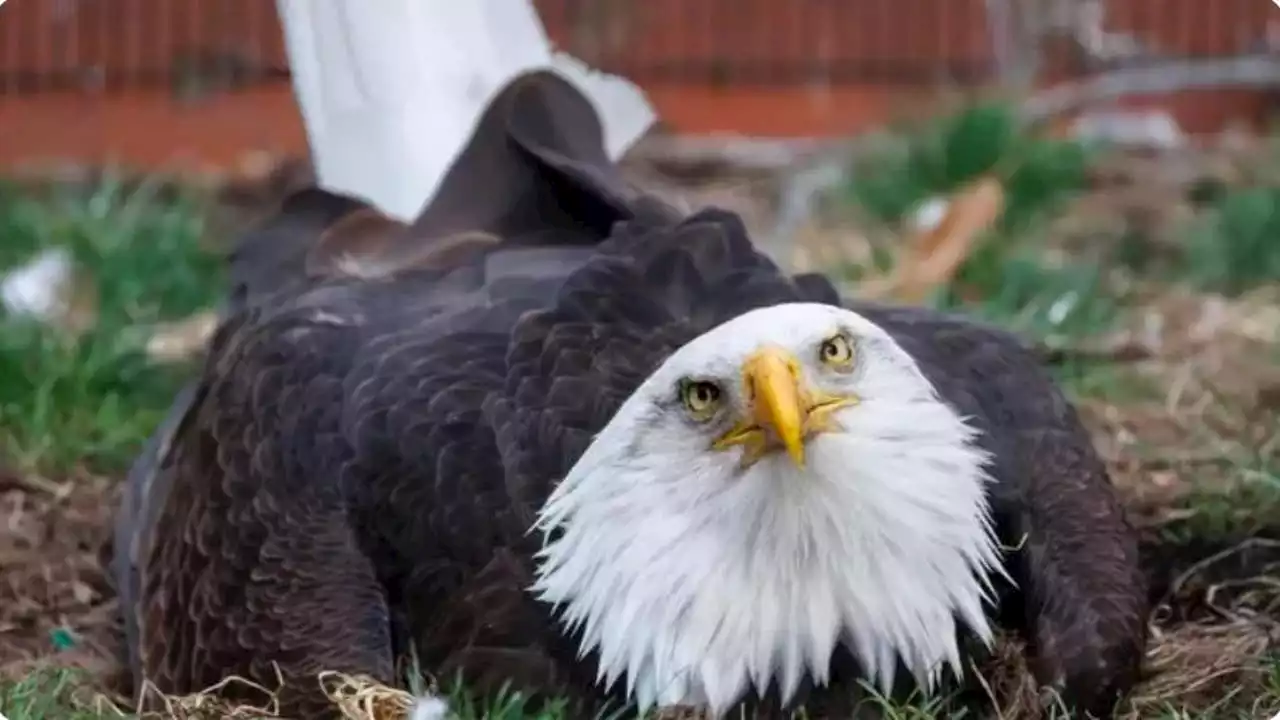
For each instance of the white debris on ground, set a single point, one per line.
(429, 707)
(37, 288)
(180, 341)
(1154, 129)
(928, 214)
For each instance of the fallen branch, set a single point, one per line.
(1260, 71)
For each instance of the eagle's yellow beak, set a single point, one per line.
(782, 408)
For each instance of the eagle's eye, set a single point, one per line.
(836, 352)
(700, 398)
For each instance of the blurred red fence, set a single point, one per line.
(154, 81)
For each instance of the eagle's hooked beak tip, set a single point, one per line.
(772, 377)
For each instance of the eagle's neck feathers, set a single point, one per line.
(699, 590)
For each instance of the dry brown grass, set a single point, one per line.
(356, 698)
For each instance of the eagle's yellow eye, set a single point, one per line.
(700, 397)
(836, 351)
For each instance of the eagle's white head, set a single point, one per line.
(785, 482)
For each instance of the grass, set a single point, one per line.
(91, 400)
(1236, 246)
(46, 695)
(1197, 459)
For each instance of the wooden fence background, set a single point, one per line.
(162, 81)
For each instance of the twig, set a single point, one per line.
(1170, 462)
(1122, 351)
(1201, 565)
(36, 484)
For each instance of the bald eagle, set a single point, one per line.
(558, 434)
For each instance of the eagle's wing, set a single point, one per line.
(267, 259)
(1080, 602)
